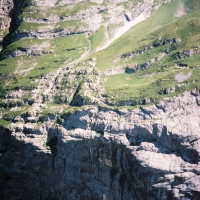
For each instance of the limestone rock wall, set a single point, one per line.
(100, 153)
(94, 16)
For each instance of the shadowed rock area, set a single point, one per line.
(140, 154)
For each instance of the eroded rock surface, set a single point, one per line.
(100, 153)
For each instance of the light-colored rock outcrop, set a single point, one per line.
(100, 153)
(93, 16)
(34, 50)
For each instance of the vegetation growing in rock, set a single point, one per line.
(56, 50)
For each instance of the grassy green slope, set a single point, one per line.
(152, 82)
(44, 64)
(146, 32)
(178, 20)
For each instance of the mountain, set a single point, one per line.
(100, 99)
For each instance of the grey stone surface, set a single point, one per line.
(100, 153)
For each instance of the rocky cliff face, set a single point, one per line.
(66, 139)
(98, 153)
(9, 13)
(5, 10)
(93, 17)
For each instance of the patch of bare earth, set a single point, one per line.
(181, 11)
(180, 77)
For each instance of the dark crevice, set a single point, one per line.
(127, 17)
(122, 178)
(52, 144)
(15, 21)
(75, 98)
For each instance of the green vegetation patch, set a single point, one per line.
(98, 38)
(157, 80)
(138, 36)
(29, 68)
(74, 25)
(31, 26)
(112, 29)
(153, 84)
(4, 123)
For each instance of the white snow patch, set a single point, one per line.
(123, 30)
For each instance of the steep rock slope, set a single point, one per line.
(9, 11)
(74, 121)
(5, 9)
(99, 153)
